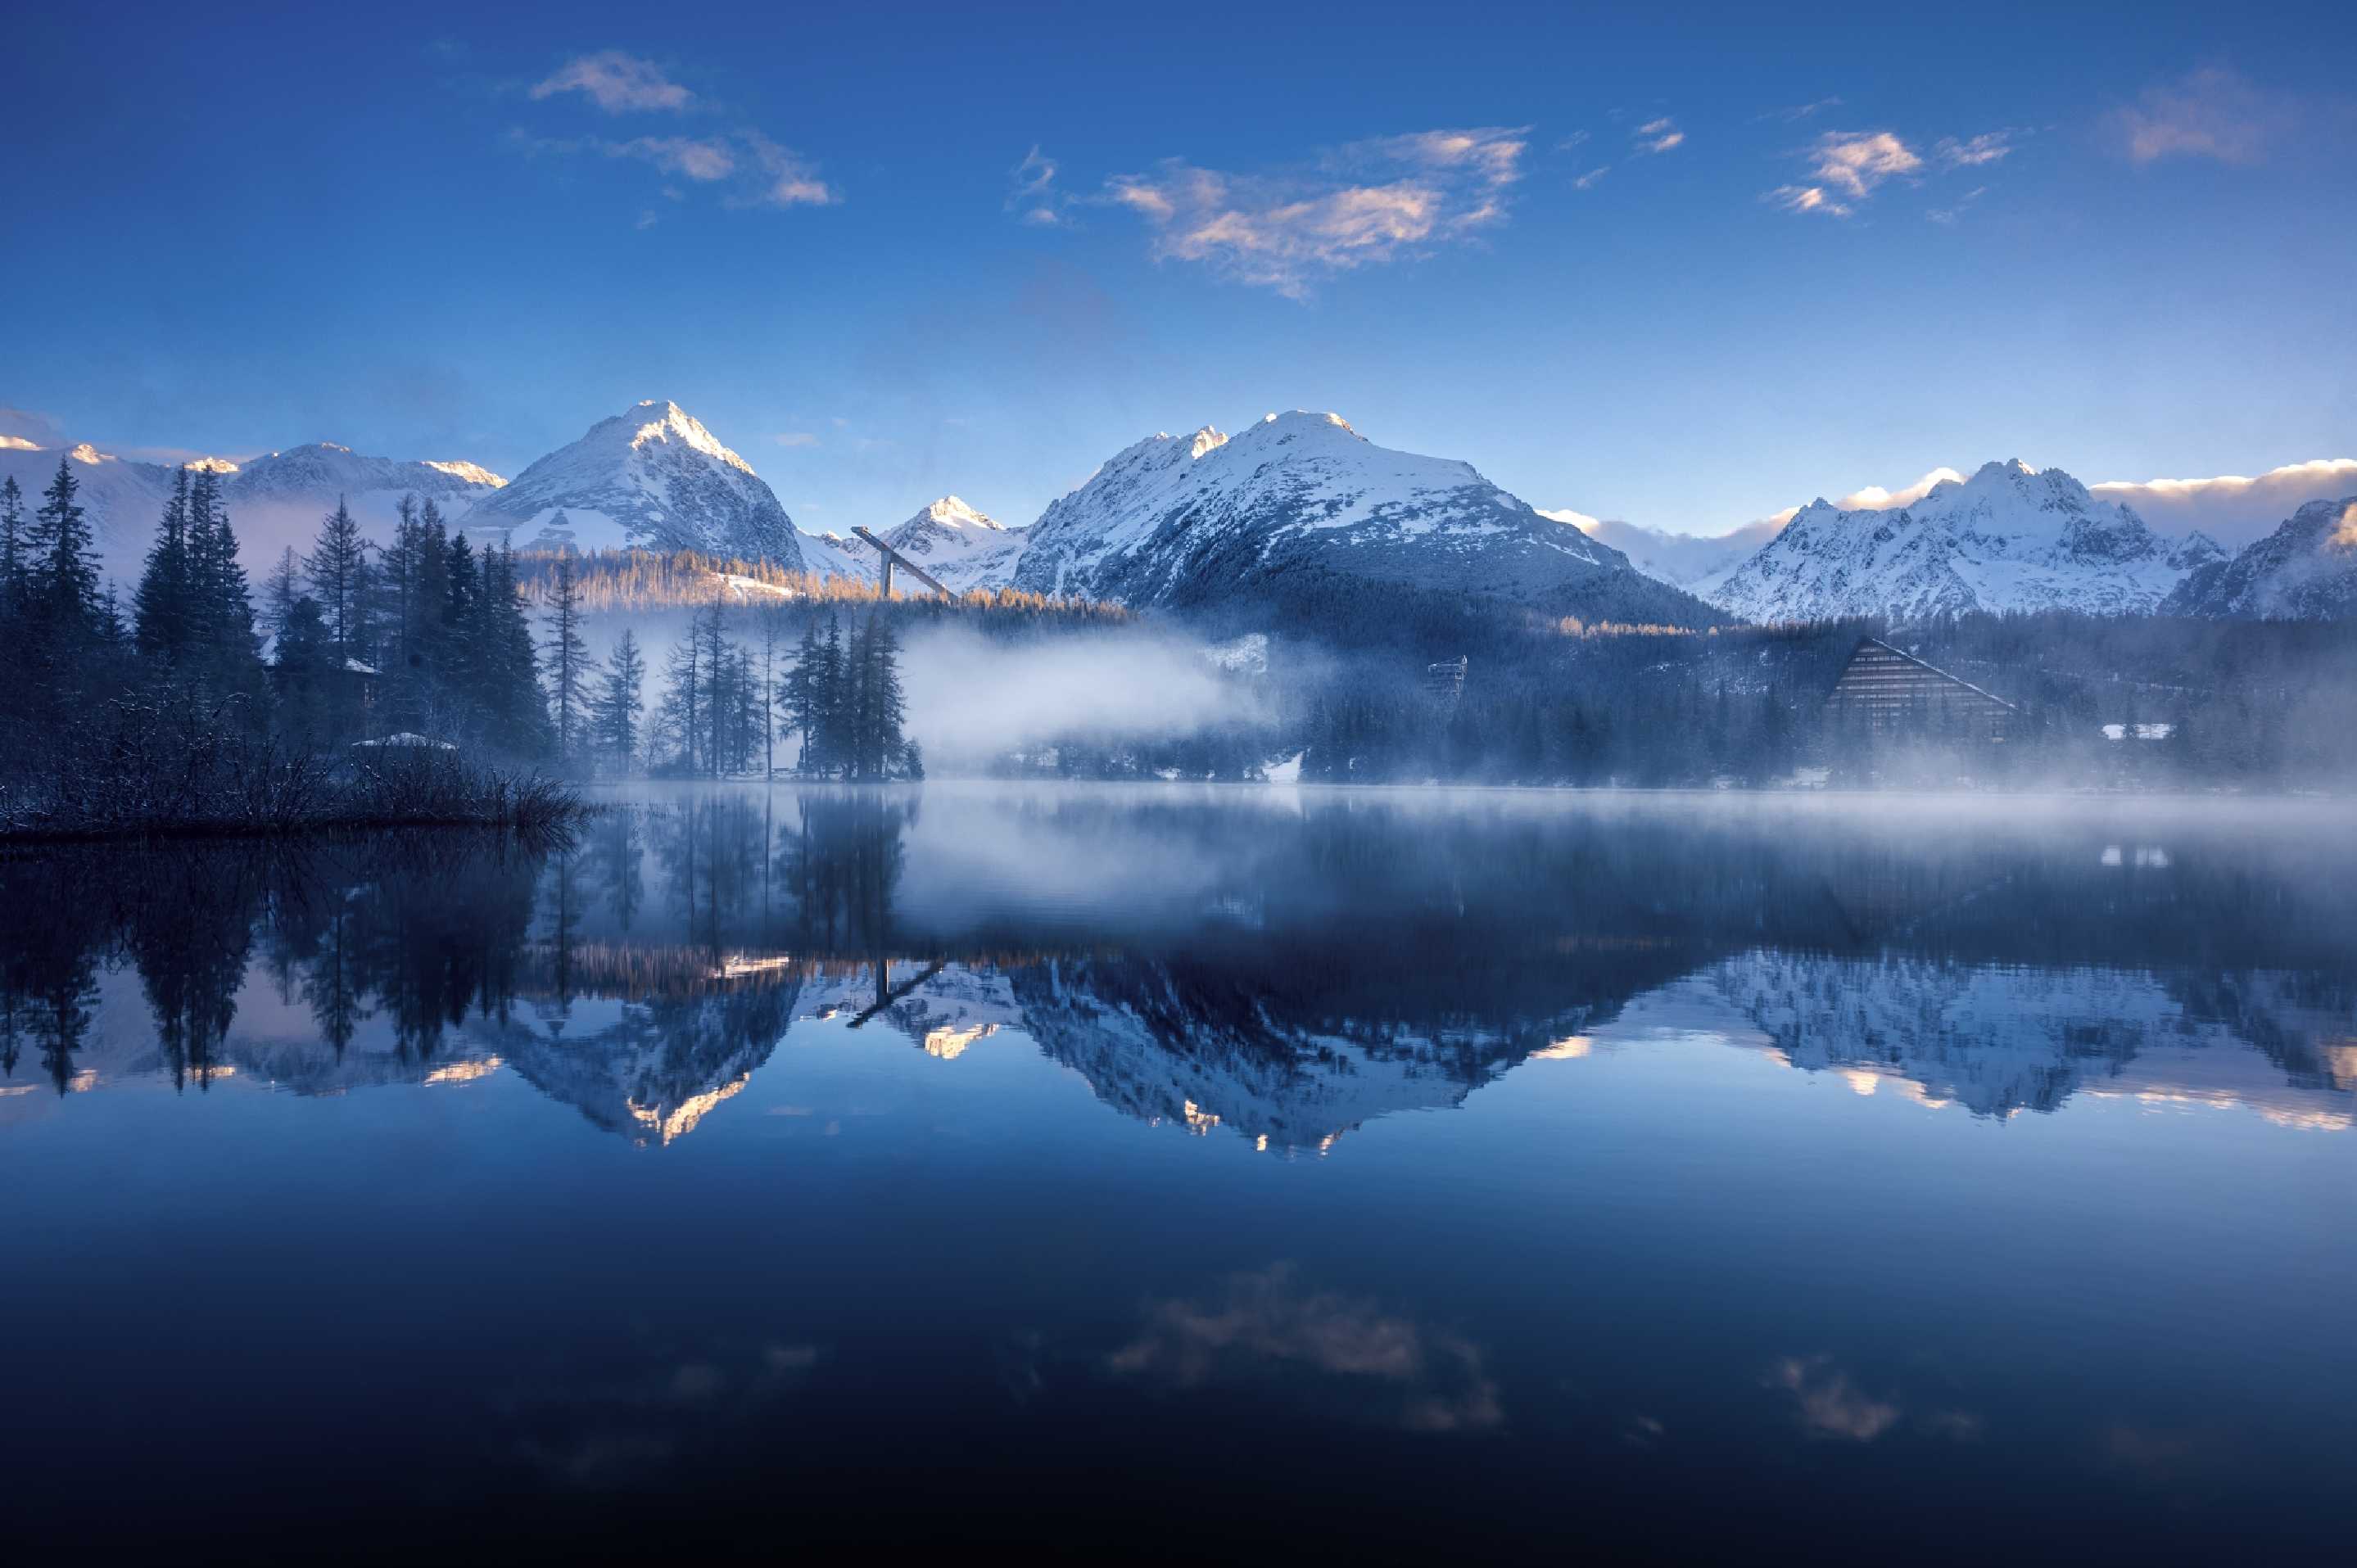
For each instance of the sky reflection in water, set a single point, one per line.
(1496, 1172)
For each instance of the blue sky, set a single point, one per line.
(888, 253)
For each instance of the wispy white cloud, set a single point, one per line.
(703, 159)
(1856, 164)
(782, 176)
(616, 83)
(1588, 180)
(27, 425)
(1578, 519)
(1367, 203)
(795, 438)
(1798, 111)
(1986, 148)
(749, 169)
(1033, 195)
(2214, 113)
(1658, 135)
(1873, 498)
(1577, 139)
(17, 443)
(1806, 198)
(1949, 215)
(1846, 169)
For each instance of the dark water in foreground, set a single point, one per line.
(1241, 1175)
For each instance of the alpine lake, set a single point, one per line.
(1248, 1172)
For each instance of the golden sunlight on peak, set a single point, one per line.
(464, 1072)
(950, 1044)
(1570, 1048)
(679, 1123)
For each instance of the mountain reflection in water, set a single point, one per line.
(1282, 967)
(840, 1170)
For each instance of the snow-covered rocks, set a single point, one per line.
(2305, 570)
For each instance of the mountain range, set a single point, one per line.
(1179, 519)
(2305, 570)
(1294, 500)
(274, 500)
(2008, 538)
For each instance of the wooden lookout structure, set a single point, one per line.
(1886, 692)
(893, 557)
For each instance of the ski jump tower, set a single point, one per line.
(893, 557)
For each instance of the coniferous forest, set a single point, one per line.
(354, 669)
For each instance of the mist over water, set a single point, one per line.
(972, 698)
(1493, 1152)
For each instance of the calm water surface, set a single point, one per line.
(1236, 1174)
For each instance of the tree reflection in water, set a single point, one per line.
(1200, 959)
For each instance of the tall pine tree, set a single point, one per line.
(567, 662)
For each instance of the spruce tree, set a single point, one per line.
(567, 661)
(801, 694)
(164, 603)
(279, 592)
(222, 603)
(62, 569)
(12, 545)
(337, 569)
(617, 702)
(830, 700)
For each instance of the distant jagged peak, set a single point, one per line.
(473, 473)
(660, 421)
(1295, 419)
(83, 452)
(952, 512)
(210, 466)
(2009, 467)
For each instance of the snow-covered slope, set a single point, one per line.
(273, 501)
(960, 545)
(651, 478)
(836, 555)
(2008, 538)
(1998, 1038)
(965, 548)
(2305, 570)
(1182, 519)
(277, 499)
(1682, 560)
(121, 497)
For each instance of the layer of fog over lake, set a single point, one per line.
(1503, 1173)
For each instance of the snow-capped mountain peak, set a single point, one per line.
(951, 512)
(2306, 570)
(660, 420)
(965, 548)
(472, 473)
(2007, 537)
(649, 477)
(1173, 521)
